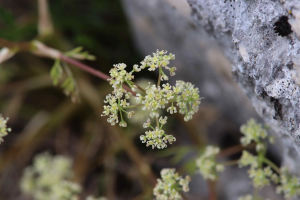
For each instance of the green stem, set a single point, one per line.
(261, 154)
(161, 126)
(159, 77)
(120, 108)
(272, 165)
(152, 127)
(121, 115)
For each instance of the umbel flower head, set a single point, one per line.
(259, 175)
(170, 184)
(246, 197)
(184, 94)
(140, 115)
(159, 60)
(250, 197)
(3, 128)
(50, 178)
(184, 97)
(207, 165)
(290, 185)
(254, 132)
(94, 198)
(157, 137)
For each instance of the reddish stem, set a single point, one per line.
(90, 70)
(84, 67)
(235, 149)
(212, 190)
(53, 53)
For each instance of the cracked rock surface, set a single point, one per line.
(263, 63)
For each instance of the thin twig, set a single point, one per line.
(183, 196)
(235, 149)
(212, 192)
(39, 49)
(90, 70)
(231, 162)
(45, 26)
(84, 67)
(21, 46)
(271, 164)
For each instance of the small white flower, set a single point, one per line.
(133, 88)
(154, 114)
(130, 114)
(252, 131)
(207, 165)
(172, 109)
(138, 98)
(49, 178)
(136, 68)
(123, 124)
(246, 197)
(3, 128)
(147, 124)
(170, 184)
(163, 120)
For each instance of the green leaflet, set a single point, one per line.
(79, 54)
(68, 86)
(56, 72)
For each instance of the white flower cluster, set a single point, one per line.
(141, 115)
(187, 98)
(207, 164)
(246, 197)
(94, 198)
(290, 185)
(65, 190)
(250, 197)
(157, 137)
(261, 176)
(118, 76)
(170, 185)
(159, 59)
(183, 93)
(253, 131)
(3, 128)
(153, 98)
(248, 159)
(50, 178)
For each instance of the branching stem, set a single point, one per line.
(41, 50)
(272, 165)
